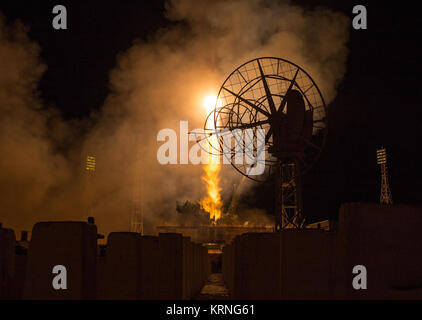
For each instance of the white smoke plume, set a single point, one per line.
(155, 84)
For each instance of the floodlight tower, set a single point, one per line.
(385, 197)
(137, 219)
(90, 173)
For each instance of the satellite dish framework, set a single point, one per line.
(280, 97)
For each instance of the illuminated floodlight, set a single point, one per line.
(90, 163)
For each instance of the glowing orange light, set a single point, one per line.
(212, 202)
(210, 102)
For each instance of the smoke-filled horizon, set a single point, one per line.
(154, 85)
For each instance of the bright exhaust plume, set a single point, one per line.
(212, 202)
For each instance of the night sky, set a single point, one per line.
(378, 100)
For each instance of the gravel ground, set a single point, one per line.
(214, 288)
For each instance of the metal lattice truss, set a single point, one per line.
(289, 202)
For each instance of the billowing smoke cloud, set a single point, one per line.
(37, 182)
(26, 160)
(154, 85)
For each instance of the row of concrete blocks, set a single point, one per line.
(169, 266)
(314, 264)
(287, 265)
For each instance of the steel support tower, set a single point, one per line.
(137, 219)
(289, 212)
(90, 174)
(385, 196)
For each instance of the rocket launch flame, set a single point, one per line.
(212, 202)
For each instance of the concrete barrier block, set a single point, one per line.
(252, 266)
(122, 266)
(265, 253)
(188, 278)
(149, 276)
(7, 261)
(306, 264)
(293, 264)
(71, 244)
(386, 240)
(131, 267)
(170, 266)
